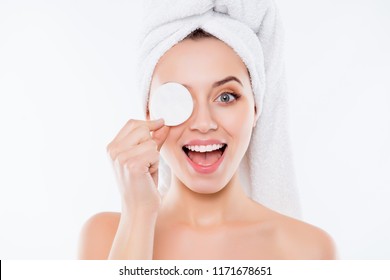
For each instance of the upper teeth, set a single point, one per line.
(204, 148)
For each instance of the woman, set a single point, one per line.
(206, 213)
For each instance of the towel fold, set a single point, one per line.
(252, 28)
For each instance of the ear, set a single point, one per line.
(147, 114)
(256, 118)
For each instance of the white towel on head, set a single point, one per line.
(252, 28)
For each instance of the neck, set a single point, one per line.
(199, 209)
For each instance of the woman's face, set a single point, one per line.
(223, 115)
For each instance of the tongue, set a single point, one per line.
(205, 159)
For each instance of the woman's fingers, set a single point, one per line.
(160, 135)
(134, 155)
(138, 132)
(145, 154)
(155, 124)
(133, 124)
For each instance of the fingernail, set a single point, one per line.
(160, 120)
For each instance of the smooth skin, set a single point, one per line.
(202, 216)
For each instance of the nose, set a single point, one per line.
(202, 119)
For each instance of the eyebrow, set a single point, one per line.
(226, 80)
(223, 81)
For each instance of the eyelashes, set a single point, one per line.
(228, 97)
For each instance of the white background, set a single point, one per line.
(66, 88)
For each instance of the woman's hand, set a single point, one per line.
(134, 154)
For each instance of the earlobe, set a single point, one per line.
(147, 114)
(255, 118)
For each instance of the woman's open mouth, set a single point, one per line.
(205, 158)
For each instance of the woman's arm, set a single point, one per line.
(134, 154)
(97, 235)
(115, 236)
(134, 238)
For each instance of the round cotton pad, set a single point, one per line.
(172, 102)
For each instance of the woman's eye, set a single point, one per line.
(227, 97)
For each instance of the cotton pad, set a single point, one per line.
(172, 102)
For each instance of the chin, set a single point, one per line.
(203, 185)
(204, 189)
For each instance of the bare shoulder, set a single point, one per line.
(301, 240)
(97, 235)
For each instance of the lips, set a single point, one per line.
(205, 155)
(204, 147)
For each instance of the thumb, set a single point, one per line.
(160, 135)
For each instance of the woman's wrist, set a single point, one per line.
(139, 213)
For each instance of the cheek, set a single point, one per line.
(170, 144)
(237, 121)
